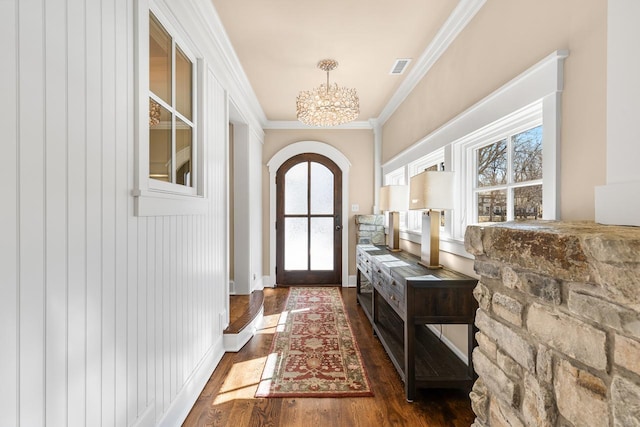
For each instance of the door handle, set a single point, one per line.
(338, 227)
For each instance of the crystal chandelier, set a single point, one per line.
(327, 105)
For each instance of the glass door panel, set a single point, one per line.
(295, 244)
(296, 190)
(321, 247)
(321, 189)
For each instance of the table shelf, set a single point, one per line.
(404, 299)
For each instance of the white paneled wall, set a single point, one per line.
(106, 319)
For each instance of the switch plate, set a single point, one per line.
(355, 208)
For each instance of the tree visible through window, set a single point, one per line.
(508, 181)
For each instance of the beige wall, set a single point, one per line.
(504, 39)
(356, 145)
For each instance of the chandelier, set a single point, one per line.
(327, 105)
(154, 112)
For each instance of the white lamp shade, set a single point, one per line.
(431, 190)
(394, 198)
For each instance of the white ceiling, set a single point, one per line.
(279, 43)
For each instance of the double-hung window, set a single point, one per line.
(508, 178)
(501, 171)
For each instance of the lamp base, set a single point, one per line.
(430, 267)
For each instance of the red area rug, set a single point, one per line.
(314, 353)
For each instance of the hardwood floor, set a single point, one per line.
(227, 399)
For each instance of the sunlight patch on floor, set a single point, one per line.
(267, 375)
(242, 380)
(269, 324)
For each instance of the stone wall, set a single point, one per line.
(559, 324)
(370, 229)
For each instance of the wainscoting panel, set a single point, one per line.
(108, 319)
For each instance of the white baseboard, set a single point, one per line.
(234, 342)
(449, 343)
(186, 398)
(258, 285)
(268, 281)
(352, 282)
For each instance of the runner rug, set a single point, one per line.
(314, 353)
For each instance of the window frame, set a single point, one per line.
(465, 161)
(154, 197)
(542, 84)
(510, 185)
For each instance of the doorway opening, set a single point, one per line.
(308, 221)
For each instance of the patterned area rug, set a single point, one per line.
(314, 353)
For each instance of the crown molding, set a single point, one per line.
(241, 91)
(457, 21)
(296, 125)
(237, 83)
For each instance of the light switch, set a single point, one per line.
(355, 208)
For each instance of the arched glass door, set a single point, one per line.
(309, 223)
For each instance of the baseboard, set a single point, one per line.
(186, 398)
(234, 342)
(268, 282)
(257, 285)
(449, 343)
(352, 282)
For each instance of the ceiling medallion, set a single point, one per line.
(327, 105)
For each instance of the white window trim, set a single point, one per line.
(464, 161)
(542, 83)
(153, 197)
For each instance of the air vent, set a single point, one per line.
(399, 66)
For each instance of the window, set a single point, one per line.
(169, 79)
(431, 162)
(171, 111)
(508, 182)
(397, 177)
(501, 171)
(503, 151)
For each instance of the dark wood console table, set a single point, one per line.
(400, 298)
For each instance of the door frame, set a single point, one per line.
(274, 164)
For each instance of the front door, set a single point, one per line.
(308, 221)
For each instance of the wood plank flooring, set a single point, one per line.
(227, 399)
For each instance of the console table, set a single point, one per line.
(400, 298)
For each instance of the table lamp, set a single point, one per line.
(431, 191)
(393, 199)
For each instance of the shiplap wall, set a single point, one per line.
(106, 319)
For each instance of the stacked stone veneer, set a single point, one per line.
(559, 324)
(370, 229)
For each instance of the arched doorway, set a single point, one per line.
(274, 164)
(308, 221)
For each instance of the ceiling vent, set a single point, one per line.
(399, 66)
